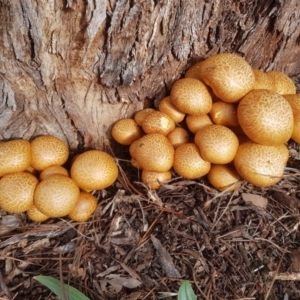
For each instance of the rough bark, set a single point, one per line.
(72, 68)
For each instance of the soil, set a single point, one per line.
(142, 244)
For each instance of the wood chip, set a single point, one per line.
(255, 200)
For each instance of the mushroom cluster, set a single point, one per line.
(224, 119)
(34, 179)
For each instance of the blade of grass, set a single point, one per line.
(55, 286)
(186, 292)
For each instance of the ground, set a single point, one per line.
(141, 244)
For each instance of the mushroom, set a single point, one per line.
(282, 83)
(94, 170)
(229, 75)
(15, 156)
(191, 96)
(84, 207)
(195, 123)
(158, 122)
(53, 170)
(217, 144)
(167, 107)
(17, 192)
(36, 215)
(154, 179)
(294, 102)
(193, 71)
(188, 162)
(223, 177)
(140, 116)
(260, 165)
(223, 113)
(266, 117)
(126, 131)
(178, 136)
(263, 81)
(154, 153)
(56, 196)
(47, 150)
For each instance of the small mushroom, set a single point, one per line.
(36, 215)
(282, 83)
(223, 113)
(178, 136)
(158, 122)
(52, 171)
(167, 107)
(195, 123)
(154, 179)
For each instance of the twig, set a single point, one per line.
(286, 276)
(4, 287)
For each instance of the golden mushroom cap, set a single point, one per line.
(260, 165)
(224, 113)
(94, 170)
(283, 84)
(191, 96)
(52, 171)
(294, 102)
(140, 116)
(195, 123)
(158, 122)
(263, 81)
(178, 136)
(188, 162)
(36, 215)
(266, 117)
(194, 71)
(229, 75)
(17, 190)
(154, 153)
(217, 144)
(126, 131)
(166, 106)
(153, 179)
(223, 177)
(84, 207)
(15, 156)
(48, 150)
(56, 195)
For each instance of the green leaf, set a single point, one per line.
(67, 293)
(186, 292)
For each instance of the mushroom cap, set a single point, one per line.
(154, 153)
(126, 131)
(294, 102)
(223, 177)
(188, 162)
(17, 192)
(191, 96)
(36, 215)
(53, 170)
(153, 179)
(266, 117)
(140, 116)
(193, 71)
(15, 156)
(229, 75)
(48, 150)
(282, 83)
(263, 81)
(224, 113)
(94, 170)
(56, 195)
(158, 122)
(195, 123)
(178, 136)
(84, 207)
(166, 106)
(260, 165)
(217, 144)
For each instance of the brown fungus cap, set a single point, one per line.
(153, 179)
(158, 122)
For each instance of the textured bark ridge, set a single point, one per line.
(72, 68)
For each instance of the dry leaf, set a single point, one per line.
(128, 282)
(255, 200)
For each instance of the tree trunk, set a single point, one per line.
(72, 68)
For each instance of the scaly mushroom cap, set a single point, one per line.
(263, 81)
(167, 107)
(178, 136)
(229, 75)
(266, 117)
(15, 156)
(294, 101)
(188, 162)
(282, 83)
(36, 215)
(94, 170)
(47, 150)
(154, 153)
(52, 171)
(191, 96)
(17, 190)
(84, 207)
(195, 123)
(126, 131)
(260, 165)
(140, 116)
(224, 113)
(217, 144)
(153, 179)
(193, 71)
(56, 196)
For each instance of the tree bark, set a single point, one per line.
(72, 68)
